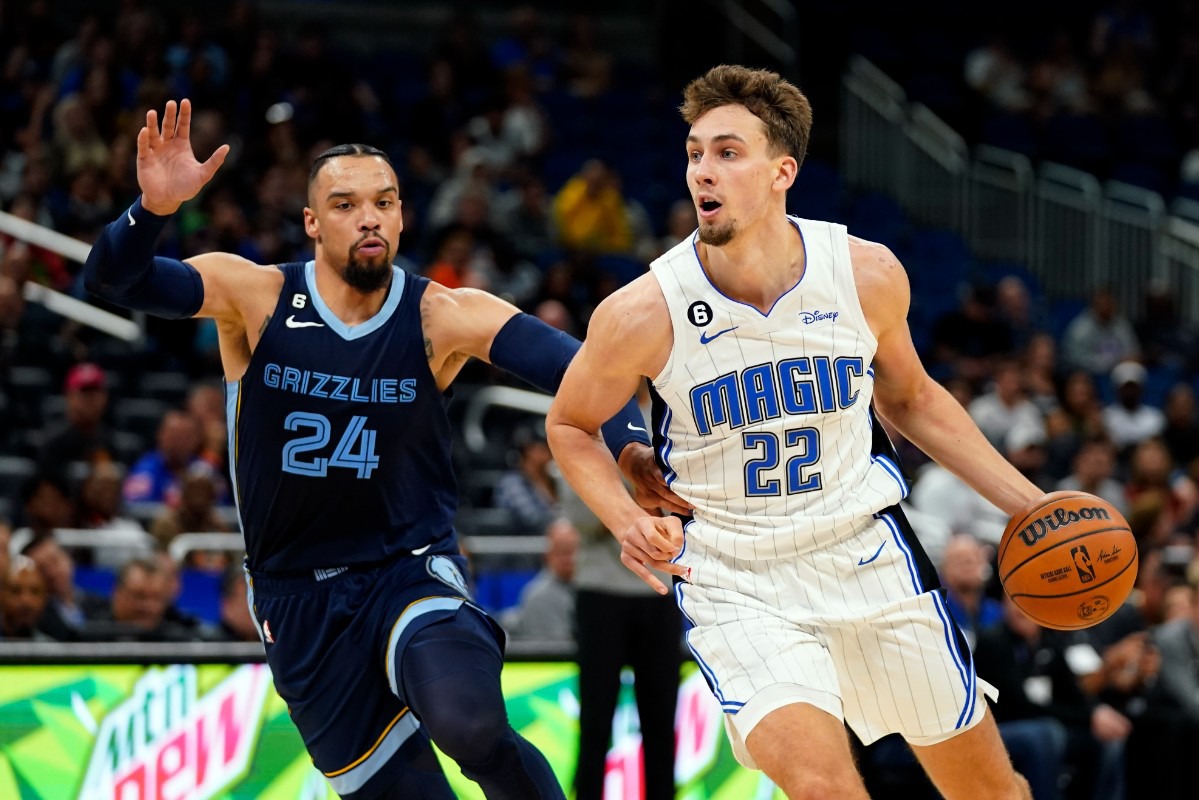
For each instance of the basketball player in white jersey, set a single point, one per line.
(770, 343)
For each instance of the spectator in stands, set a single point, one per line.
(1178, 643)
(1151, 470)
(69, 608)
(155, 478)
(590, 213)
(681, 222)
(195, 513)
(173, 581)
(1014, 307)
(236, 624)
(1025, 447)
(1039, 372)
(1094, 468)
(1005, 407)
(964, 573)
(524, 214)
(206, 402)
(1181, 433)
(454, 264)
(1037, 682)
(1130, 420)
(967, 341)
(1079, 418)
(139, 604)
(82, 436)
(98, 507)
(5, 541)
(1100, 337)
(529, 490)
(586, 67)
(941, 494)
(994, 71)
(46, 505)
(22, 600)
(546, 609)
(1167, 338)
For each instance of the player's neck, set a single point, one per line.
(760, 264)
(348, 304)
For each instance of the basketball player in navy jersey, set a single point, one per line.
(336, 375)
(770, 342)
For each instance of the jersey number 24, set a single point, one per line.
(355, 449)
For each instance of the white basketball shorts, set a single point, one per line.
(855, 629)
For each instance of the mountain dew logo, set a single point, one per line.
(165, 742)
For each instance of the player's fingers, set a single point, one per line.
(669, 567)
(184, 127)
(214, 162)
(672, 500)
(143, 142)
(153, 138)
(642, 572)
(660, 545)
(168, 121)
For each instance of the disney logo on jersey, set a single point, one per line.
(811, 317)
(444, 570)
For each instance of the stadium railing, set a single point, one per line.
(1072, 232)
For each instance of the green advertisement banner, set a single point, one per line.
(194, 732)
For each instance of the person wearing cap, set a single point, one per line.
(1128, 420)
(82, 436)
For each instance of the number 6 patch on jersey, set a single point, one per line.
(444, 570)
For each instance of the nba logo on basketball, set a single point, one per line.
(1082, 563)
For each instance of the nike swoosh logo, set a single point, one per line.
(132, 221)
(292, 323)
(877, 553)
(633, 427)
(420, 551)
(704, 338)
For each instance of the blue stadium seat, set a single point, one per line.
(200, 594)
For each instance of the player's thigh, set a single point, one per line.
(973, 764)
(806, 752)
(358, 733)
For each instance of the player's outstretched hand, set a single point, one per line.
(649, 488)
(652, 542)
(167, 170)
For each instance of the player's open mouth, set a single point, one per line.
(708, 208)
(372, 247)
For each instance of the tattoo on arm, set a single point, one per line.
(265, 322)
(428, 348)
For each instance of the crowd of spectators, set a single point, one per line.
(503, 190)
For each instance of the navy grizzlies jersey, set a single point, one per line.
(338, 435)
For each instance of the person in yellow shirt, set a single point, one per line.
(590, 212)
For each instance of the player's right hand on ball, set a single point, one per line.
(652, 542)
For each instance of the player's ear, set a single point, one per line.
(787, 169)
(312, 225)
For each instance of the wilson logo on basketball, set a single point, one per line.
(1038, 529)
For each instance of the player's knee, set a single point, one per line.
(807, 786)
(470, 736)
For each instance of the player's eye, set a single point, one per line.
(694, 155)
(728, 153)
(384, 203)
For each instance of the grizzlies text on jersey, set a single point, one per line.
(349, 458)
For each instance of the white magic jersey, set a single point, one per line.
(764, 423)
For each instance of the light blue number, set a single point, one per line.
(356, 438)
(756, 485)
(318, 466)
(355, 450)
(796, 483)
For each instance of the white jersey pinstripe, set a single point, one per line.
(767, 428)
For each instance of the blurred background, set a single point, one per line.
(1034, 165)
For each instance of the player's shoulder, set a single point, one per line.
(639, 303)
(875, 268)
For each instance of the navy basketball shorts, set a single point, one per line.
(332, 640)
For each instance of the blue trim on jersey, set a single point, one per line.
(232, 395)
(667, 445)
(354, 779)
(907, 551)
(802, 243)
(675, 560)
(410, 613)
(394, 294)
(893, 470)
(951, 643)
(703, 665)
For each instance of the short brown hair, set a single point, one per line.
(781, 106)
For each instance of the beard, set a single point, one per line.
(368, 276)
(717, 235)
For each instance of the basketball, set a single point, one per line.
(1068, 561)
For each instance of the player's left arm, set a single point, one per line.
(919, 407)
(463, 323)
